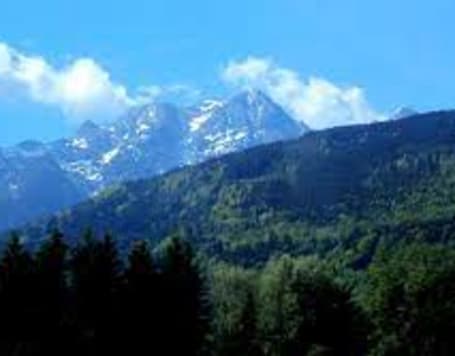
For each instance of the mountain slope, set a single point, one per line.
(342, 187)
(32, 183)
(147, 141)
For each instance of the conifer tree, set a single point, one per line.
(142, 303)
(186, 322)
(51, 262)
(52, 294)
(96, 276)
(17, 309)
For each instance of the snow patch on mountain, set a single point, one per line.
(79, 143)
(110, 155)
(223, 142)
(198, 121)
(210, 104)
(204, 113)
(142, 127)
(84, 169)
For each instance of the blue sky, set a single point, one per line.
(395, 52)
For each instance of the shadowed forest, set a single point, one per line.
(91, 300)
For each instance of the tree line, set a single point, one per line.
(89, 299)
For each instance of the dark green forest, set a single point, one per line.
(338, 243)
(88, 300)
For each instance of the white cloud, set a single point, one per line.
(316, 101)
(82, 89)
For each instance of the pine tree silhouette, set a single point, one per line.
(96, 279)
(52, 295)
(141, 304)
(185, 323)
(18, 310)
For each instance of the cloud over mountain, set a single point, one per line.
(80, 89)
(83, 89)
(316, 101)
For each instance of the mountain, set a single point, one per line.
(147, 141)
(349, 189)
(247, 120)
(32, 183)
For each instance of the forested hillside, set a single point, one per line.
(88, 300)
(339, 243)
(340, 193)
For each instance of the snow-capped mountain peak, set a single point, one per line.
(244, 120)
(204, 112)
(146, 141)
(210, 105)
(159, 136)
(79, 143)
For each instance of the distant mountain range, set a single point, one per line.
(344, 189)
(41, 178)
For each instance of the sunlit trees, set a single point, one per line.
(411, 301)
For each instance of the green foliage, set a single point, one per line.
(279, 316)
(304, 309)
(411, 300)
(87, 302)
(234, 316)
(292, 306)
